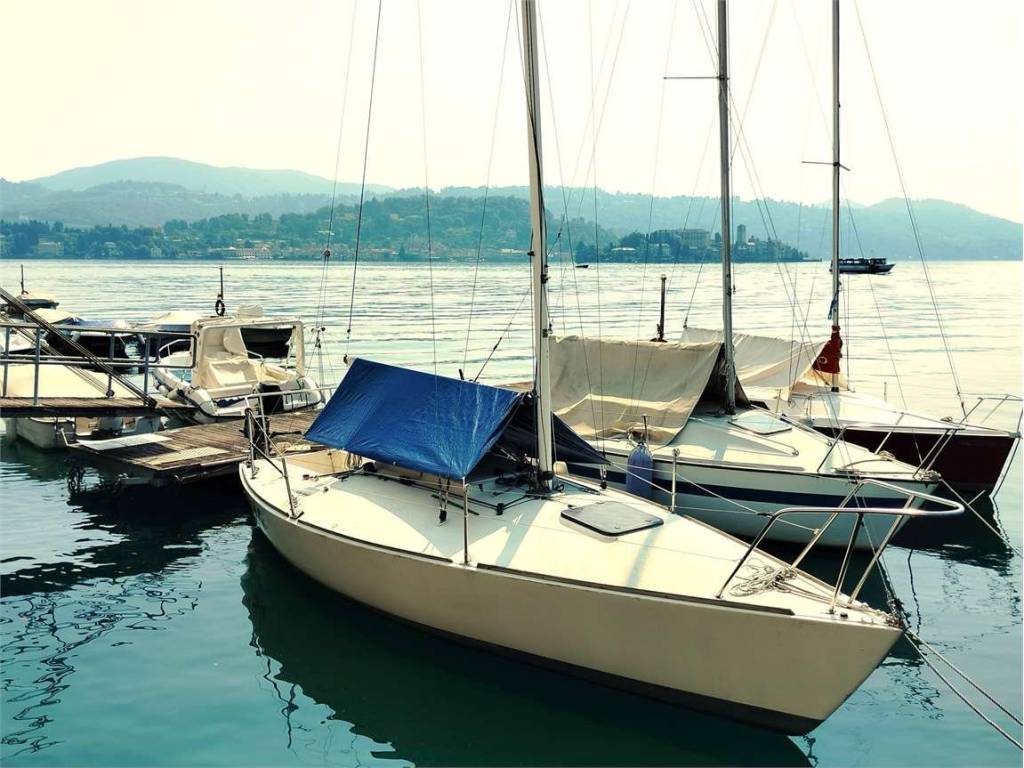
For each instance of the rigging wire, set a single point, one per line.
(700, 215)
(362, 185)
(878, 309)
(742, 145)
(426, 191)
(504, 333)
(319, 329)
(597, 235)
(917, 643)
(565, 202)
(650, 209)
(910, 212)
(487, 186)
(592, 114)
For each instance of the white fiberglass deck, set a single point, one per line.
(682, 557)
(711, 437)
(824, 409)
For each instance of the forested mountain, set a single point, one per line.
(393, 229)
(150, 192)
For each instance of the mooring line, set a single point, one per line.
(915, 639)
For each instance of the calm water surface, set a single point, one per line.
(147, 627)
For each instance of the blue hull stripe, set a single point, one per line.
(780, 498)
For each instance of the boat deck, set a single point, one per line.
(18, 407)
(190, 454)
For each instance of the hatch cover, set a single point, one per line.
(612, 518)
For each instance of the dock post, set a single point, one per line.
(7, 354)
(465, 522)
(675, 460)
(35, 376)
(110, 376)
(145, 368)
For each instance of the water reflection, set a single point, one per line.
(146, 531)
(441, 703)
(52, 608)
(43, 634)
(963, 538)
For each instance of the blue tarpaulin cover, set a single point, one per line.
(414, 420)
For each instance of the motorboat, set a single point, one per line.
(32, 300)
(264, 340)
(102, 338)
(225, 376)
(35, 301)
(664, 401)
(68, 381)
(864, 266)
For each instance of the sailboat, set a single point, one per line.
(439, 501)
(966, 454)
(700, 446)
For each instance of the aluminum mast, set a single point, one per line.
(835, 186)
(723, 140)
(538, 247)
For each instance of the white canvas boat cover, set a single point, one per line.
(604, 387)
(223, 360)
(767, 367)
(175, 319)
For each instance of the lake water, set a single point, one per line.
(160, 628)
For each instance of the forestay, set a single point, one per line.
(767, 367)
(605, 387)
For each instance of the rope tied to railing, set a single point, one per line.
(761, 578)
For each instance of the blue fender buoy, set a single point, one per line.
(640, 472)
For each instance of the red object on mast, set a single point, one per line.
(831, 353)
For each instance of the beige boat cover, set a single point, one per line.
(604, 387)
(223, 361)
(768, 367)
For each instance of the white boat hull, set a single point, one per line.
(206, 411)
(748, 662)
(738, 500)
(47, 433)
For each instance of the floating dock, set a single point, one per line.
(189, 454)
(18, 407)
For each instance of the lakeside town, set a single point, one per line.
(392, 231)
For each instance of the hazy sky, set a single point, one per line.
(261, 85)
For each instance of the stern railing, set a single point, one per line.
(946, 508)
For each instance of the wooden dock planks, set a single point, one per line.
(188, 454)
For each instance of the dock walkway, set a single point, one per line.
(17, 407)
(188, 454)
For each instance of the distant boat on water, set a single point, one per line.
(862, 266)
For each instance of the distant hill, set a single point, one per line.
(142, 204)
(200, 177)
(948, 230)
(152, 191)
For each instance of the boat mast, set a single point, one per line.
(726, 218)
(835, 185)
(538, 247)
